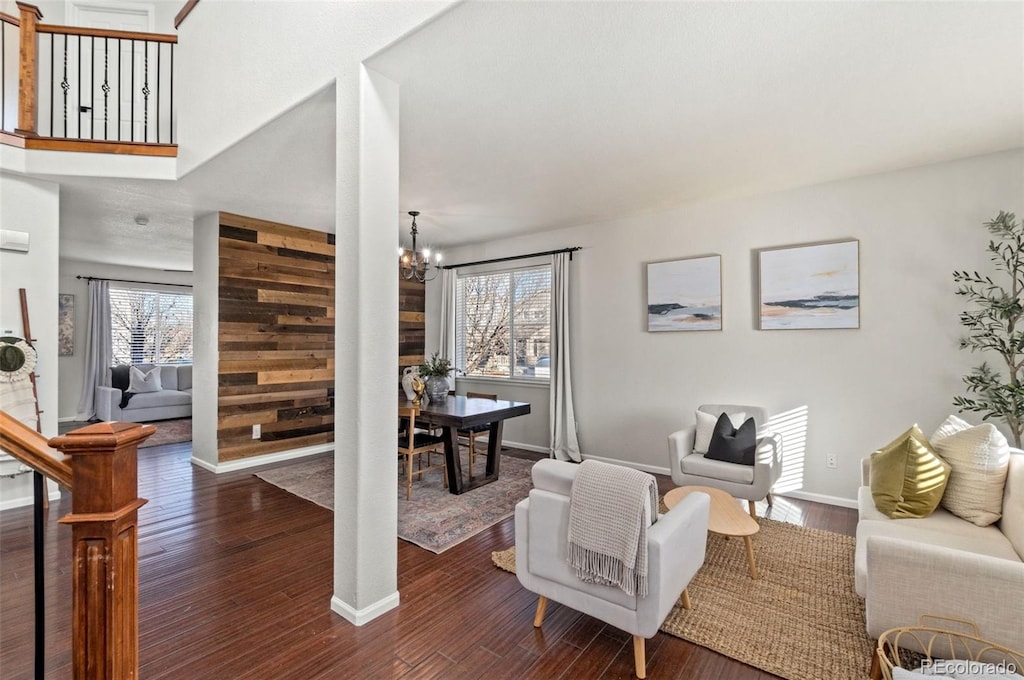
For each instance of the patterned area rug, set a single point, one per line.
(433, 519)
(802, 620)
(170, 432)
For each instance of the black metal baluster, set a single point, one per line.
(3, 75)
(120, 50)
(53, 39)
(158, 45)
(132, 123)
(78, 84)
(145, 91)
(106, 83)
(92, 87)
(65, 86)
(172, 95)
(39, 491)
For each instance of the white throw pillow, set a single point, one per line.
(139, 382)
(979, 457)
(706, 426)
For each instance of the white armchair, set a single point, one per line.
(675, 544)
(750, 483)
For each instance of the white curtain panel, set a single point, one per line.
(564, 443)
(447, 340)
(97, 348)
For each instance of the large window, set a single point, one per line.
(504, 324)
(150, 326)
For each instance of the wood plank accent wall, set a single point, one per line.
(412, 298)
(275, 337)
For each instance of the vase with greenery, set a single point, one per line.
(994, 323)
(435, 371)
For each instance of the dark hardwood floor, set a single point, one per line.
(235, 581)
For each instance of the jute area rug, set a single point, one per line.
(170, 432)
(802, 620)
(433, 519)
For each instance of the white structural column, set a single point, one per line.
(205, 329)
(366, 358)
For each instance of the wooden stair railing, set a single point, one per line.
(144, 96)
(33, 450)
(104, 524)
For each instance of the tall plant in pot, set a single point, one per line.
(436, 372)
(995, 323)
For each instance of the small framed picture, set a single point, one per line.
(685, 295)
(816, 285)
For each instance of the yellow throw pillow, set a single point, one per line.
(907, 477)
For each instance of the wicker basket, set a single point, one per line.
(926, 644)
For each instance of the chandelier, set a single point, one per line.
(414, 264)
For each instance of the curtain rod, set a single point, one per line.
(515, 257)
(146, 283)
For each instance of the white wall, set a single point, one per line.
(72, 368)
(32, 206)
(860, 388)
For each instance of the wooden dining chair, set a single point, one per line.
(412, 444)
(471, 433)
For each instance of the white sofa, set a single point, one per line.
(173, 401)
(944, 566)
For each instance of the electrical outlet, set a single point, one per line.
(257, 431)
(831, 461)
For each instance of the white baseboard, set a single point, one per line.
(256, 461)
(366, 614)
(67, 419)
(26, 500)
(653, 469)
(820, 498)
(524, 447)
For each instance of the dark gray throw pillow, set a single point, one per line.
(733, 445)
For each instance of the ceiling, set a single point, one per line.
(526, 116)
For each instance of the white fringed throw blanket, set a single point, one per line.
(610, 507)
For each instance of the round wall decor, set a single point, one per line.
(17, 360)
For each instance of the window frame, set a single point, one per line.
(510, 378)
(159, 290)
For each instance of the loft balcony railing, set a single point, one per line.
(83, 89)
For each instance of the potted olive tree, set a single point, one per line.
(435, 372)
(994, 323)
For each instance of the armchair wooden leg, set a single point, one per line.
(542, 605)
(771, 501)
(686, 599)
(753, 510)
(639, 657)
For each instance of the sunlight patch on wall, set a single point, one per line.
(792, 426)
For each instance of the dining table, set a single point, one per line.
(456, 412)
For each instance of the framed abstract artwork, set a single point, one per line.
(685, 295)
(810, 286)
(66, 325)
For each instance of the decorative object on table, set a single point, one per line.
(435, 372)
(66, 325)
(415, 264)
(418, 388)
(408, 374)
(685, 295)
(810, 286)
(806, 581)
(995, 321)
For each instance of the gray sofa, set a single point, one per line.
(944, 566)
(173, 401)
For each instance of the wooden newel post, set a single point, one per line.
(103, 519)
(28, 69)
